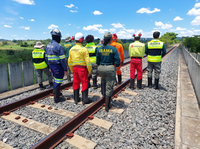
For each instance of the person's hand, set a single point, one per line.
(65, 72)
(122, 63)
(49, 69)
(89, 75)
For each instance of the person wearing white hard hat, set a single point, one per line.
(80, 65)
(56, 61)
(136, 52)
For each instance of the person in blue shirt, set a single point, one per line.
(55, 58)
(107, 58)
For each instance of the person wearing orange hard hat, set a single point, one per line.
(121, 55)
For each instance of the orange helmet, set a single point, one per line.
(114, 37)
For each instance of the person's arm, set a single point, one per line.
(143, 51)
(87, 60)
(129, 50)
(116, 58)
(146, 49)
(163, 50)
(62, 58)
(46, 56)
(97, 58)
(70, 63)
(122, 53)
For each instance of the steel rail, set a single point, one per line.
(53, 139)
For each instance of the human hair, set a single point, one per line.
(89, 38)
(56, 38)
(106, 41)
(136, 38)
(156, 34)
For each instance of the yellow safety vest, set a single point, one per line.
(39, 54)
(91, 49)
(155, 45)
(136, 49)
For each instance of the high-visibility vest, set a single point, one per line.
(136, 49)
(91, 49)
(39, 54)
(152, 46)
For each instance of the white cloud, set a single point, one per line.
(163, 26)
(76, 7)
(180, 29)
(196, 21)
(32, 20)
(21, 18)
(112, 30)
(197, 5)
(69, 24)
(117, 25)
(28, 2)
(0, 37)
(197, 30)
(178, 18)
(156, 28)
(8, 26)
(130, 31)
(26, 35)
(73, 11)
(96, 12)
(186, 33)
(194, 11)
(69, 6)
(146, 10)
(26, 28)
(44, 32)
(52, 26)
(102, 31)
(92, 27)
(10, 10)
(14, 35)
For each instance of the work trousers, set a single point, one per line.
(58, 74)
(68, 71)
(136, 64)
(40, 75)
(157, 69)
(80, 75)
(107, 74)
(118, 70)
(94, 70)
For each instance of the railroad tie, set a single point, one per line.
(5, 146)
(76, 140)
(96, 121)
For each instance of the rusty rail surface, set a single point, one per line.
(53, 139)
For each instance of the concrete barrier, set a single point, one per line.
(194, 71)
(15, 75)
(194, 55)
(198, 57)
(3, 79)
(27, 68)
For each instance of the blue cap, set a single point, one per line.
(55, 32)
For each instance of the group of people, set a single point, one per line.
(104, 59)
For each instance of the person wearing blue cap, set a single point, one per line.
(56, 60)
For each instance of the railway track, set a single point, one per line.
(65, 132)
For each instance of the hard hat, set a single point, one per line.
(137, 35)
(79, 37)
(114, 36)
(55, 32)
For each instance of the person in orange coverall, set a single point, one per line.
(121, 55)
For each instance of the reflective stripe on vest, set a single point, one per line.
(60, 81)
(41, 65)
(154, 58)
(155, 44)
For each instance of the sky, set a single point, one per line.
(34, 19)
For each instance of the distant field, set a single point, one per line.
(14, 47)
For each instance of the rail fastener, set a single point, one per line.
(50, 108)
(51, 94)
(68, 98)
(18, 117)
(6, 113)
(32, 102)
(91, 117)
(24, 120)
(42, 106)
(69, 135)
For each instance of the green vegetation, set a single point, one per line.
(169, 39)
(193, 43)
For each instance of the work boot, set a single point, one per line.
(56, 93)
(85, 99)
(51, 84)
(76, 96)
(119, 79)
(132, 82)
(95, 86)
(150, 82)
(139, 84)
(89, 85)
(103, 89)
(107, 101)
(156, 84)
(42, 87)
(109, 105)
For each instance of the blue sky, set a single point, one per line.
(33, 19)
